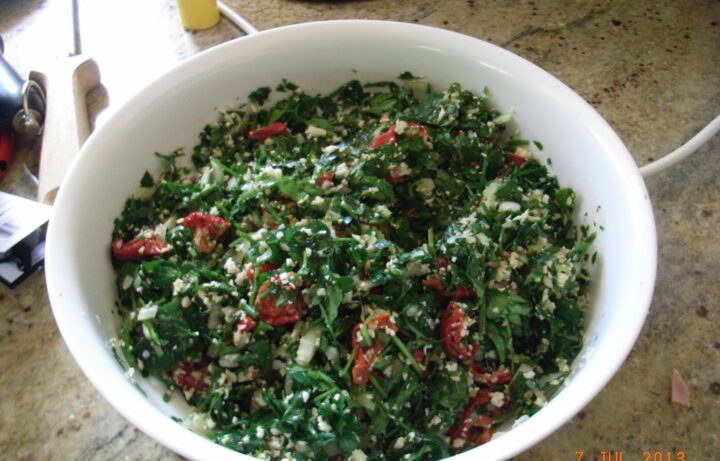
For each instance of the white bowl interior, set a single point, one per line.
(586, 155)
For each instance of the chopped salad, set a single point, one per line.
(380, 272)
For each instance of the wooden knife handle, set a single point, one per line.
(66, 125)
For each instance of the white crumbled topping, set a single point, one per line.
(540, 399)
(562, 364)
(521, 151)
(180, 286)
(526, 371)
(330, 149)
(241, 338)
(366, 241)
(357, 455)
(313, 132)
(341, 170)
(509, 206)
(259, 234)
(272, 173)
(503, 272)
(489, 194)
(400, 126)
(515, 260)
(231, 267)
(400, 170)
(497, 398)
(323, 425)
(382, 210)
(147, 312)
(200, 423)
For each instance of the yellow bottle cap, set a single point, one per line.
(198, 14)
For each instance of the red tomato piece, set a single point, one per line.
(206, 228)
(463, 293)
(515, 160)
(453, 326)
(264, 267)
(436, 284)
(245, 324)
(215, 225)
(138, 249)
(483, 436)
(364, 360)
(388, 136)
(440, 263)
(326, 176)
(365, 356)
(190, 376)
(500, 376)
(395, 180)
(475, 426)
(269, 131)
(382, 321)
(275, 315)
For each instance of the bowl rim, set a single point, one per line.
(167, 431)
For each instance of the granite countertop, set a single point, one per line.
(652, 69)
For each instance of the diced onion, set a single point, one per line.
(147, 312)
(309, 343)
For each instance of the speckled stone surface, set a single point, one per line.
(652, 69)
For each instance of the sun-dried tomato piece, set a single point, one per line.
(137, 249)
(388, 136)
(441, 263)
(515, 160)
(475, 426)
(365, 355)
(269, 131)
(463, 293)
(207, 229)
(325, 176)
(275, 315)
(215, 225)
(191, 375)
(264, 267)
(500, 376)
(245, 324)
(453, 328)
(436, 284)
(395, 180)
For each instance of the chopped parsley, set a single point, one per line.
(375, 273)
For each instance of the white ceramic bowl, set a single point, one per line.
(586, 155)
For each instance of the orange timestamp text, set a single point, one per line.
(647, 455)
